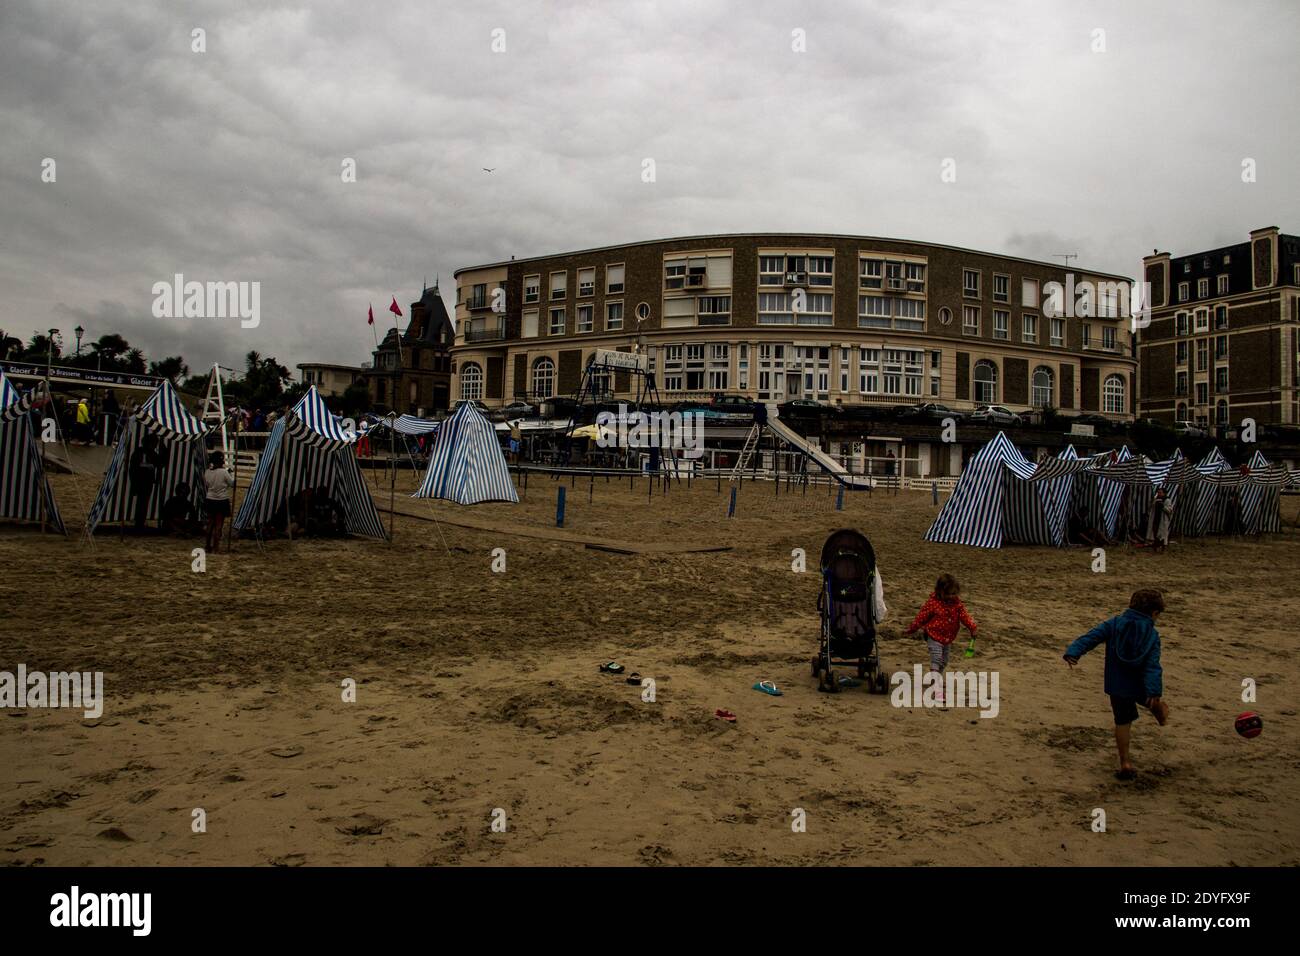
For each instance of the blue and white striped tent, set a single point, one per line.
(466, 465)
(1261, 503)
(308, 448)
(1109, 494)
(1206, 501)
(24, 490)
(180, 443)
(995, 501)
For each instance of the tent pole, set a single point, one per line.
(234, 489)
(392, 477)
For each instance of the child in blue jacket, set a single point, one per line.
(1133, 677)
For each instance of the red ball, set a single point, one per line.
(1250, 724)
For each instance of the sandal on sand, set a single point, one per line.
(611, 668)
(767, 687)
(726, 715)
(1128, 773)
(634, 678)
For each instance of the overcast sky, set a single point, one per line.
(226, 165)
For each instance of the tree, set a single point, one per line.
(172, 368)
(262, 385)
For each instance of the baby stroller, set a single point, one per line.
(847, 609)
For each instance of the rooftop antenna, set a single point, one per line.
(1067, 256)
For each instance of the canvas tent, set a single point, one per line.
(466, 465)
(307, 449)
(24, 490)
(995, 501)
(180, 444)
(1261, 495)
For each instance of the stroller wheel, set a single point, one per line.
(826, 681)
(882, 682)
(816, 666)
(862, 669)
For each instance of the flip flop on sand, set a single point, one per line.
(613, 667)
(634, 678)
(726, 715)
(767, 687)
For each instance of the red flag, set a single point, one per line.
(371, 316)
(394, 307)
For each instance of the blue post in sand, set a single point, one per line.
(731, 508)
(934, 491)
(839, 500)
(559, 508)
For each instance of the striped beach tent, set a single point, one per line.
(180, 444)
(1205, 501)
(1110, 494)
(994, 501)
(466, 465)
(1261, 503)
(24, 490)
(308, 449)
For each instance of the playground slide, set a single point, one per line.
(812, 450)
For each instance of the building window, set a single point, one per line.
(1202, 320)
(1220, 316)
(1202, 288)
(1180, 384)
(872, 273)
(1001, 324)
(586, 282)
(1182, 291)
(471, 382)
(543, 378)
(1220, 346)
(1222, 286)
(821, 270)
(1221, 379)
(1058, 332)
(1001, 288)
(970, 320)
(1029, 293)
(613, 316)
(1085, 334)
(1108, 338)
(559, 284)
(874, 311)
(1181, 412)
(529, 330)
(910, 315)
(714, 310)
(1114, 395)
(1202, 355)
(532, 288)
(986, 382)
(1180, 353)
(557, 322)
(771, 270)
(915, 274)
(614, 279)
(1202, 393)
(1043, 380)
(970, 283)
(1221, 413)
(1180, 323)
(585, 314)
(1029, 327)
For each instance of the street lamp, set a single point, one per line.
(49, 350)
(79, 332)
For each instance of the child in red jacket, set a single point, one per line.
(942, 617)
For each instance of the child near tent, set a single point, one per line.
(217, 482)
(942, 616)
(1132, 676)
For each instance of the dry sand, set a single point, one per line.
(479, 691)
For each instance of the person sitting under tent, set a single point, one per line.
(144, 467)
(178, 516)
(1079, 530)
(325, 515)
(1159, 519)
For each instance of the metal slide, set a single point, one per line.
(811, 449)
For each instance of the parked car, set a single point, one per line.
(929, 412)
(994, 415)
(807, 406)
(516, 410)
(487, 412)
(732, 404)
(1100, 424)
(1190, 429)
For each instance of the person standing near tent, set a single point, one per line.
(1133, 675)
(110, 411)
(1159, 520)
(217, 482)
(83, 421)
(145, 464)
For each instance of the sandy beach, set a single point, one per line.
(479, 692)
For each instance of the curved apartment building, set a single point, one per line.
(775, 317)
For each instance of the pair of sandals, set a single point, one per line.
(613, 667)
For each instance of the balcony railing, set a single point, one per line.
(489, 333)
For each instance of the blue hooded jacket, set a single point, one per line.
(1132, 654)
